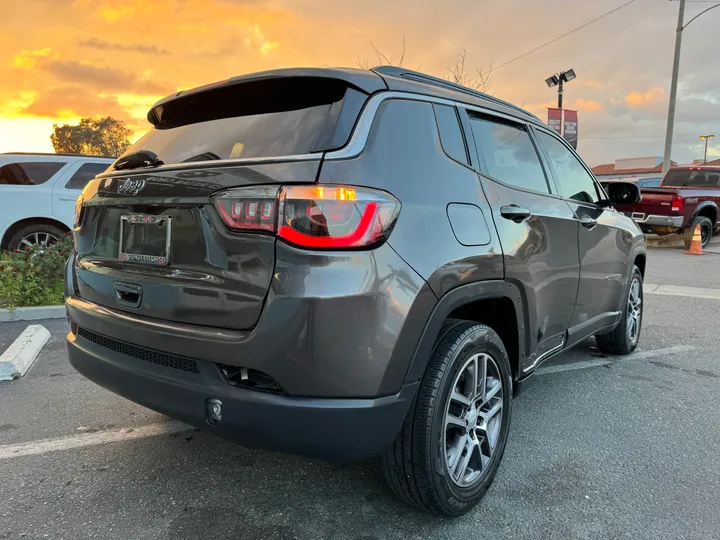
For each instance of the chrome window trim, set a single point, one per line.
(360, 134)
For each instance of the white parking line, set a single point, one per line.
(641, 355)
(676, 290)
(43, 446)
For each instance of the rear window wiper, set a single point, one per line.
(136, 160)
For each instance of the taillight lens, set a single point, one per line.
(320, 217)
(78, 211)
(249, 208)
(677, 204)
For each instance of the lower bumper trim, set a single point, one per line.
(324, 428)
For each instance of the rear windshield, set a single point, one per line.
(689, 178)
(250, 120)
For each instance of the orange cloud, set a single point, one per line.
(588, 105)
(29, 59)
(639, 100)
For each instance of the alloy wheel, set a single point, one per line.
(473, 418)
(634, 311)
(41, 239)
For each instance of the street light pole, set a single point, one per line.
(706, 138)
(560, 94)
(673, 90)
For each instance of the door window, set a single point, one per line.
(28, 174)
(573, 180)
(84, 174)
(508, 153)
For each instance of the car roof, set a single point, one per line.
(697, 168)
(371, 81)
(50, 154)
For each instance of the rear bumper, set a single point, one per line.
(652, 219)
(324, 428)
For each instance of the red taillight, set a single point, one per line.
(248, 208)
(319, 217)
(677, 204)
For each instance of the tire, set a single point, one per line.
(419, 465)
(28, 232)
(706, 230)
(623, 339)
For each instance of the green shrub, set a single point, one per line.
(34, 277)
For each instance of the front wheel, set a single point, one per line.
(626, 335)
(451, 444)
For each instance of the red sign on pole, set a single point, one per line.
(571, 128)
(555, 120)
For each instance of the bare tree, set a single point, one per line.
(479, 80)
(382, 57)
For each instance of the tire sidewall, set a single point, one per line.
(455, 499)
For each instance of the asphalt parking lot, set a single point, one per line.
(600, 447)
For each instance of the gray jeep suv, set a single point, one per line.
(347, 264)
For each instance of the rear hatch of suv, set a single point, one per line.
(162, 242)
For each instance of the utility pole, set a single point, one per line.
(706, 138)
(673, 84)
(673, 90)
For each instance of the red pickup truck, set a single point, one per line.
(688, 196)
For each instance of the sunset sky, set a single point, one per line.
(64, 59)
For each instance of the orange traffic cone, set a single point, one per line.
(696, 244)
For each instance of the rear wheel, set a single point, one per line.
(452, 442)
(626, 335)
(706, 231)
(37, 234)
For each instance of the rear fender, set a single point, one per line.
(465, 294)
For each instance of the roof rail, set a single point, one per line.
(395, 71)
(53, 154)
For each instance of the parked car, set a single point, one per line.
(346, 264)
(38, 193)
(687, 197)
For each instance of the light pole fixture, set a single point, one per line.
(557, 80)
(706, 138)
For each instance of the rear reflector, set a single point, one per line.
(316, 217)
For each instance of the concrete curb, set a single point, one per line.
(32, 313)
(18, 358)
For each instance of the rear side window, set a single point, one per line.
(690, 178)
(28, 174)
(269, 118)
(84, 174)
(451, 136)
(508, 153)
(572, 179)
(650, 183)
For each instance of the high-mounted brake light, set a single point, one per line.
(317, 217)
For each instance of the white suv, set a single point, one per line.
(37, 195)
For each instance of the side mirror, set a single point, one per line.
(621, 194)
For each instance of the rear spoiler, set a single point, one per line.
(362, 80)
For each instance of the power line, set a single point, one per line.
(563, 35)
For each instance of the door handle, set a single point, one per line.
(515, 213)
(588, 222)
(68, 199)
